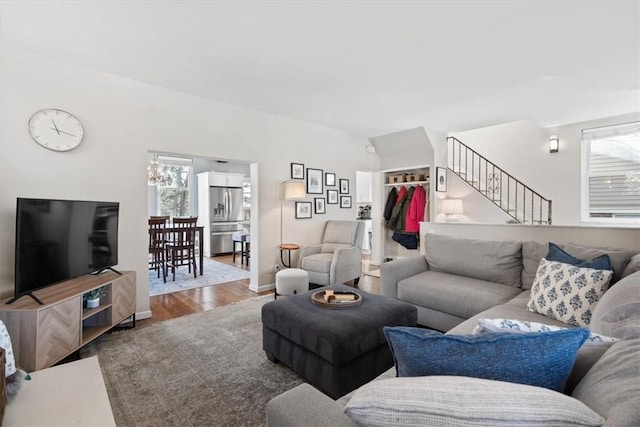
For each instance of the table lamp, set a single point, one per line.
(452, 207)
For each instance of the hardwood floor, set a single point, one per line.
(178, 304)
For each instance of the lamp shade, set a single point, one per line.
(452, 206)
(553, 144)
(294, 190)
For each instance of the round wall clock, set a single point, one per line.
(55, 129)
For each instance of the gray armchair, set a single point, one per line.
(338, 259)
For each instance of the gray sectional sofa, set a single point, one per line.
(459, 281)
(459, 278)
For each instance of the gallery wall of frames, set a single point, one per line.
(324, 187)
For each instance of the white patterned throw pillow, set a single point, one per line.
(523, 326)
(567, 293)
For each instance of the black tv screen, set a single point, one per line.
(57, 240)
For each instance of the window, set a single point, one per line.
(611, 184)
(174, 198)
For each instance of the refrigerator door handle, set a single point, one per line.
(226, 205)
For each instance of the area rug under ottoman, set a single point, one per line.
(336, 350)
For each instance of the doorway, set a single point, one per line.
(176, 192)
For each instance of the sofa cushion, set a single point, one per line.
(532, 253)
(542, 359)
(464, 402)
(556, 253)
(612, 385)
(618, 312)
(619, 257)
(520, 327)
(567, 293)
(457, 295)
(320, 263)
(495, 261)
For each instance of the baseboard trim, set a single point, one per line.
(262, 288)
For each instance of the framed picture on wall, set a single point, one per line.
(303, 210)
(345, 201)
(332, 197)
(441, 179)
(297, 171)
(344, 186)
(330, 179)
(314, 181)
(320, 205)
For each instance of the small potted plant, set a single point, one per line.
(94, 295)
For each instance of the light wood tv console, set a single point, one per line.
(42, 335)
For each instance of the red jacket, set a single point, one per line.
(415, 213)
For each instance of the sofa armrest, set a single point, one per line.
(306, 251)
(394, 271)
(346, 265)
(304, 405)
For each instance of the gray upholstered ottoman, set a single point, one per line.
(337, 350)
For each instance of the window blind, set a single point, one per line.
(613, 171)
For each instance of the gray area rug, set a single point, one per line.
(214, 273)
(205, 369)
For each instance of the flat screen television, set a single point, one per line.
(57, 240)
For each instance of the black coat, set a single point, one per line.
(391, 201)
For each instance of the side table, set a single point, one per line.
(287, 247)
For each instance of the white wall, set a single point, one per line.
(124, 120)
(521, 148)
(477, 209)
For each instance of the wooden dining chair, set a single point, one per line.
(166, 218)
(157, 254)
(181, 246)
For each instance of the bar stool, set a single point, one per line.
(244, 239)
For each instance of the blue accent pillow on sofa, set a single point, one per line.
(556, 253)
(542, 359)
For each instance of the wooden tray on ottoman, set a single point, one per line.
(342, 299)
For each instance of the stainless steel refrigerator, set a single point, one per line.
(225, 217)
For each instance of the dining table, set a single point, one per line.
(199, 229)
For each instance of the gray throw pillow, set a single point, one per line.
(464, 402)
(617, 314)
(619, 257)
(532, 253)
(632, 266)
(612, 385)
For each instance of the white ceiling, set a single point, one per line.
(365, 67)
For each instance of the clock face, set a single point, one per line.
(55, 129)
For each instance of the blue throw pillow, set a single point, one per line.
(556, 253)
(542, 359)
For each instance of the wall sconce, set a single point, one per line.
(452, 207)
(554, 145)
